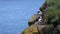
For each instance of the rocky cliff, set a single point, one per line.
(47, 20)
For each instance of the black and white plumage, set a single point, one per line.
(39, 12)
(40, 18)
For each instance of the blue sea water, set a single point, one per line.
(14, 14)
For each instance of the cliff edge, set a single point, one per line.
(47, 20)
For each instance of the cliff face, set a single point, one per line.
(47, 20)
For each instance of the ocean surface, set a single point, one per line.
(14, 14)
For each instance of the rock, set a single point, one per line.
(34, 18)
(43, 29)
